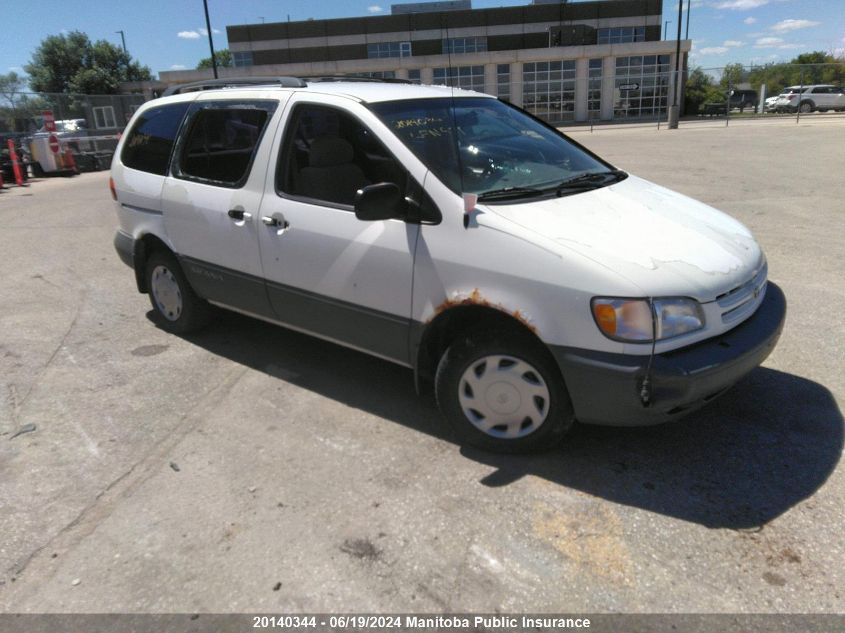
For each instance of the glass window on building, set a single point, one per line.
(503, 81)
(641, 86)
(468, 77)
(414, 75)
(621, 35)
(388, 49)
(548, 89)
(104, 117)
(594, 89)
(460, 45)
(242, 58)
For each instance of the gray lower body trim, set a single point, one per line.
(124, 244)
(378, 333)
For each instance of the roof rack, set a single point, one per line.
(283, 82)
(210, 84)
(385, 80)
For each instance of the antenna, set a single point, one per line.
(451, 77)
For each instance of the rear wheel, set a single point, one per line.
(177, 306)
(502, 392)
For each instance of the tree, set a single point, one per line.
(72, 63)
(698, 87)
(808, 68)
(11, 86)
(223, 57)
(732, 75)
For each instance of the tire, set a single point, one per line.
(806, 107)
(528, 396)
(177, 307)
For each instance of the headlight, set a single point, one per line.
(631, 320)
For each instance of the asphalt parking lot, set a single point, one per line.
(250, 468)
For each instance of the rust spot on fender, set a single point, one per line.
(475, 298)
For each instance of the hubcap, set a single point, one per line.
(166, 292)
(503, 396)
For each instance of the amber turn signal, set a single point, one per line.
(605, 317)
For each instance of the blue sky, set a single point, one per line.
(170, 34)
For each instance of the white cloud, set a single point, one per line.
(749, 20)
(374, 8)
(16, 69)
(774, 42)
(733, 43)
(204, 32)
(785, 26)
(741, 5)
(767, 42)
(188, 35)
(177, 67)
(714, 50)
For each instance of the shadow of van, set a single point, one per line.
(746, 458)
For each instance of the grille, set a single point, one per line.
(742, 301)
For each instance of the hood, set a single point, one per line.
(665, 243)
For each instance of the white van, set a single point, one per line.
(527, 279)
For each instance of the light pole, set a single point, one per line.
(122, 39)
(210, 42)
(674, 111)
(689, 3)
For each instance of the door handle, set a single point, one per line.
(280, 223)
(239, 215)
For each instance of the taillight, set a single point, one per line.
(112, 189)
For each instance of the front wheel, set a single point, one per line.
(806, 107)
(177, 306)
(501, 391)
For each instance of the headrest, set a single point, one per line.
(328, 151)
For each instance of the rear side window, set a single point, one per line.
(220, 143)
(150, 141)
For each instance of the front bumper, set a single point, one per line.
(605, 388)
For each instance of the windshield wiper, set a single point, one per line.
(509, 193)
(591, 180)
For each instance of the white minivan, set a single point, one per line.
(528, 280)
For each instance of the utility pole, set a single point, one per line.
(122, 39)
(689, 2)
(674, 111)
(210, 42)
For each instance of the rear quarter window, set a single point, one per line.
(150, 141)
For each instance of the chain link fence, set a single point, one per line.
(636, 89)
(765, 92)
(85, 136)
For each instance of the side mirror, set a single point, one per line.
(382, 201)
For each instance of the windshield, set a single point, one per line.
(501, 148)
